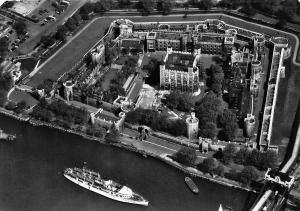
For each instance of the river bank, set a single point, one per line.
(163, 157)
(131, 147)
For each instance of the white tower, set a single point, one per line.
(192, 124)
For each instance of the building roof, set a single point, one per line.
(168, 36)
(135, 90)
(283, 177)
(131, 43)
(218, 39)
(178, 61)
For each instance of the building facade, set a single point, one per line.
(180, 71)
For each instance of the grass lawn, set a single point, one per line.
(107, 77)
(286, 106)
(18, 96)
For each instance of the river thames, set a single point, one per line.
(31, 176)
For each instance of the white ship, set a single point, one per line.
(92, 181)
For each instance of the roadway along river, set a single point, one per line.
(31, 176)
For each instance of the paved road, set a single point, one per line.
(161, 148)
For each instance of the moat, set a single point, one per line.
(31, 175)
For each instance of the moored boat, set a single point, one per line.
(193, 187)
(6, 136)
(92, 181)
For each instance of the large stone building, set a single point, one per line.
(180, 71)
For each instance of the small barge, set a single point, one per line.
(6, 136)
(193, 187)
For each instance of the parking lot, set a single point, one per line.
(37, 30)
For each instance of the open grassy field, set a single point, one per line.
(109, 75)
(286, 106)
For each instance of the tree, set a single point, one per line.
(87, 8)
(6, 82)
(125, 51)
(103, 5)
(21, 106)
(47, 40)
(280, 24)
(113, 136)
(165, 6)
(254, 159)
(208, 130)
(219, 170)
(3, 97)
(248, 175)
(8, 4)
(228, 121)
(4, 43)
(185, 102)
(146, 6)
(100, 132)
(61, 33)
(209, 165)
(228, 153)
(124, 3)
(172, 100)
(241, 156)
(20, 27)
(205, 4)
(77, 18)
(186, 156)
(10, 105)
(179, 100)
(152, 69)
(177, 127)
(248, 9)
(269, 159)
(71, 24)
(217, 78)
(208, 109)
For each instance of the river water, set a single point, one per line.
(31, 176)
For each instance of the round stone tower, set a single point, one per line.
(192, 124)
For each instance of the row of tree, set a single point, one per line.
(60, 111)
(261, 160)
(70, 25)
(156, 121)
(188, 157)
(16, 107)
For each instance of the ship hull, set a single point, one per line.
(104, 193)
